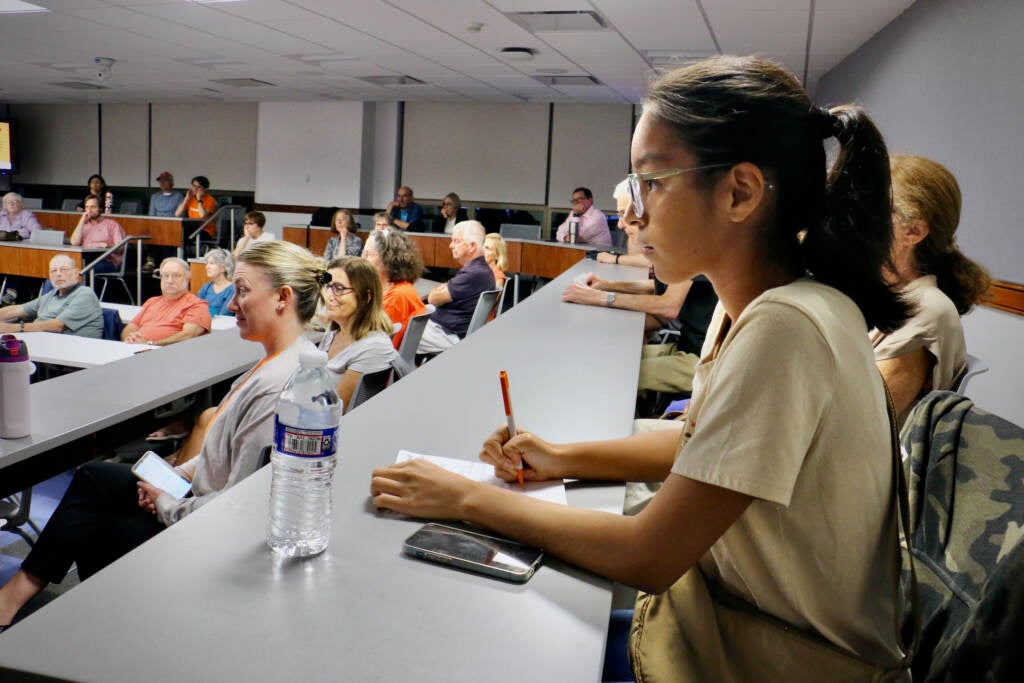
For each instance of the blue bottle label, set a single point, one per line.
(305, 443)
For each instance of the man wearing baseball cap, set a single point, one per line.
(164, 202)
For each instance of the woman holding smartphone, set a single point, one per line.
(780, 489)
(107, 512)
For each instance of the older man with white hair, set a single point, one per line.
(69, 308)
(174, 316)
(456, 299)
(15, 218)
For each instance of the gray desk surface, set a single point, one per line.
(206, 600)
(76, 352)
(81, 403)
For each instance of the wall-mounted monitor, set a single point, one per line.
(7, 158)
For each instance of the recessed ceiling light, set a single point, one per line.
(552, 71)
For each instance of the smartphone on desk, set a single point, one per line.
(475, 551)
(153, 469)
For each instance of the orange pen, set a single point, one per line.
(503, 379)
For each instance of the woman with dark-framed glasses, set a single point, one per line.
(358, 338)
(779, 492)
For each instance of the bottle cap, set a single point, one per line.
(313, 357)
(12, 349)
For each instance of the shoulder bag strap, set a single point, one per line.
(901, 503)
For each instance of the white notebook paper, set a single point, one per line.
(552, 491)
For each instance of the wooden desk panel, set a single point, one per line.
(17, 258)
(514, 254)
(166, 232)
(318, 238)
(548, 260)
(197, 275)
(296, 234)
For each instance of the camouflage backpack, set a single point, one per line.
(967, 519)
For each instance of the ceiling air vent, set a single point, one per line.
(78, 85)
(242, 82)
(567, 80)
(392, 80)
(555, 22)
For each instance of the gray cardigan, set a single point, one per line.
(231, 449)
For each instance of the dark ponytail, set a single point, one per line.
(853, 240)
(728, 110)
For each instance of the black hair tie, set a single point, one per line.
(828, 123)
(323, 278)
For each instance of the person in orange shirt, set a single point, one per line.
(399, 265)
(198, 204)
(174, 316)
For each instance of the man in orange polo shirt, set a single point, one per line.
(174, 316)
(198, 204)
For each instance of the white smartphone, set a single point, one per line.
(475, 551)
(153, 469)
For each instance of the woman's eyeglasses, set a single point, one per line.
(634, 180)
(338, 289)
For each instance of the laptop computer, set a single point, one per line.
(48, 237)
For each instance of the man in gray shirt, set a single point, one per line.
(69, 308)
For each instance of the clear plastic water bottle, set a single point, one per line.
(303, 460)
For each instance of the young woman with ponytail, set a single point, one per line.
(928, 352)
(779, 491)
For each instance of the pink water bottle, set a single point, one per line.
(15, 368)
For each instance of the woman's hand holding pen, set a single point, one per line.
(540, 459)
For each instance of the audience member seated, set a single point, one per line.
(253, 232)
(98, 231)
(685, 307)
(928, 352)
(405, 213)
(496, 255)
(166, 201)
(344, 227)
(783, 479)
(633, 256)
(174, 316)
(399, 264)
(198, 203)
(16, 218)
(382, 221)
(593, 225)
(456, 299)
(358, 338)
(451, 213)
(97, 186)
(107, 512)
(218, 290)
(70, 307)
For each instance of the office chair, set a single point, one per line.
(69, 204)
(413, 335)
(975, 366)
(130, 207)
(117, 275)
(484, 306)
(14, 514)
(519, 231)
(370, 384)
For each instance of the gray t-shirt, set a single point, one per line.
(79, 310)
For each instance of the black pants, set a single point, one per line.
(97, 521)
